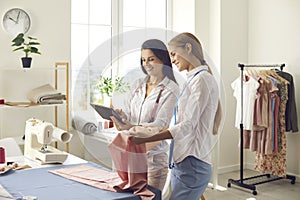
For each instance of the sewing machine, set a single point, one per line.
(38, 137)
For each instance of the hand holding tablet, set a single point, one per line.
(106, 112)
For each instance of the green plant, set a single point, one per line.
(27, 46)
(106, 85)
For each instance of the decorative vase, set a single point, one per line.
(26, 62)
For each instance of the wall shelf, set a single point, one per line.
(17, 115)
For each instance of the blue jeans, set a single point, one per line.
(189, 179)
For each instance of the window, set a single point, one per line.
(106, 36)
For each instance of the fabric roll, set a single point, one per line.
(82, 125)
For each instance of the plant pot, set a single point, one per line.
(26, 62)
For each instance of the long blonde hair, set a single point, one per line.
(188, 38)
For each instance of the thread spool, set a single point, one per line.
(2, 155)
(108, 124)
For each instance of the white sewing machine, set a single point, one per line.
(38, 137)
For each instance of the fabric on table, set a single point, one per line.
(48, 186)
(91, 176)
(4, 194)
(131, 164)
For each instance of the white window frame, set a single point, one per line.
(116, 42)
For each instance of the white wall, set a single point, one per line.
(51, 24)
(183, 16)
(234, 50)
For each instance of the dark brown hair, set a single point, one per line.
(160, 50)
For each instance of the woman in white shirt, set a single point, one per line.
(151, 103)
(194, 116)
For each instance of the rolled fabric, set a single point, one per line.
(83, 125)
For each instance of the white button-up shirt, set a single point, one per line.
(139, 109)
(195, 117)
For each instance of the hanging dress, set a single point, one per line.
(275, 163)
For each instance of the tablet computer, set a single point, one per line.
(106, 112)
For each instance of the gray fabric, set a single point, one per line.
(82, 125)
(45, 94)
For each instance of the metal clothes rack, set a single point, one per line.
(250, 182)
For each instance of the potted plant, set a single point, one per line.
(27, 46)
(108, 86)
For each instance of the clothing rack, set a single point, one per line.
(251, 182)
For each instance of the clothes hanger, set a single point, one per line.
(265, 77)
(276, 76)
